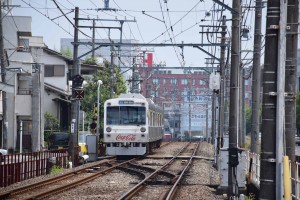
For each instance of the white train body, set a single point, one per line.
(132, 125)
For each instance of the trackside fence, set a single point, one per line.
(295, 180)
(19, 167)
(253, 166)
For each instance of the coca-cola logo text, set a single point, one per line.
(130, 137)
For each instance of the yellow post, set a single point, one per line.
(287, 179)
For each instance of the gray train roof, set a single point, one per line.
(152, 105)
(132, 95)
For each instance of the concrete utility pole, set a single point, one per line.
(213, 118)
(36, 109)
(280, 104)
(234, 101)
(290, 79)
(256, 79)
(206, 123)
(3, 80)
(222, 83)
(135, 79)
(273, 102)
(93, 39)
(190, 113)
(75, 103)
(111, 94)
(241, 127)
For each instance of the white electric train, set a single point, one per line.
(133, 125)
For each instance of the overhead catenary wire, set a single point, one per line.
(176, 21)
(167, 29)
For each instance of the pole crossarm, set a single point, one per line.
(153, 17)
(225, 6)
(108, 27)
(218, 59)
(62, 15)
(146, 44)
(98, 47)
(111, 20)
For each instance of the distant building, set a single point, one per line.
(122, 57)
(175, 92)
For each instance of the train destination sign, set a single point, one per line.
(126, 102)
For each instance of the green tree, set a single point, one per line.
(90, 97)
(51, 125)
(66, 52)
(90, 60)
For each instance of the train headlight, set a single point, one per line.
(108, 129)
(143, 129)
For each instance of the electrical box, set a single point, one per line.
(92, 147)
(241, 169)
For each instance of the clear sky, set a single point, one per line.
(183, 16)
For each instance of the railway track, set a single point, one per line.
(138, 190)
(152, 177)
(64, 182)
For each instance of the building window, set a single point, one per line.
(164, 81)
(54, 70)
(173, 81)
(155, 93)
(194, 82)
(155, 81)
(202, 82)
(184, 81)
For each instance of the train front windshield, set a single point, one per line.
(126, 115)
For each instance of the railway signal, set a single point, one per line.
(93, 125)
(77, 81)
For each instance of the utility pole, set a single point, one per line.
(190, 112)
(273, 103)
(135, 79)
(256, 79)
(290, 80)
(206, 123)
(234, 101)
(222, 83)
(241, 107)
(93, 39)
(213, 117)
(3, 80)
(75, 103)
(111, 69)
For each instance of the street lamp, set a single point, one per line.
(99, 83)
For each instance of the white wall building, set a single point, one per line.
(37, 82)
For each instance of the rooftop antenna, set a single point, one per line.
(106, 4)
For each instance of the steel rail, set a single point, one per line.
(174, 188)
(17, 191)
(54, 191)
(129, 194)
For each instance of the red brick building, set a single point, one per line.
(173, 90)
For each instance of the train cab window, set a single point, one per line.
(126, 115)
(113, 115)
